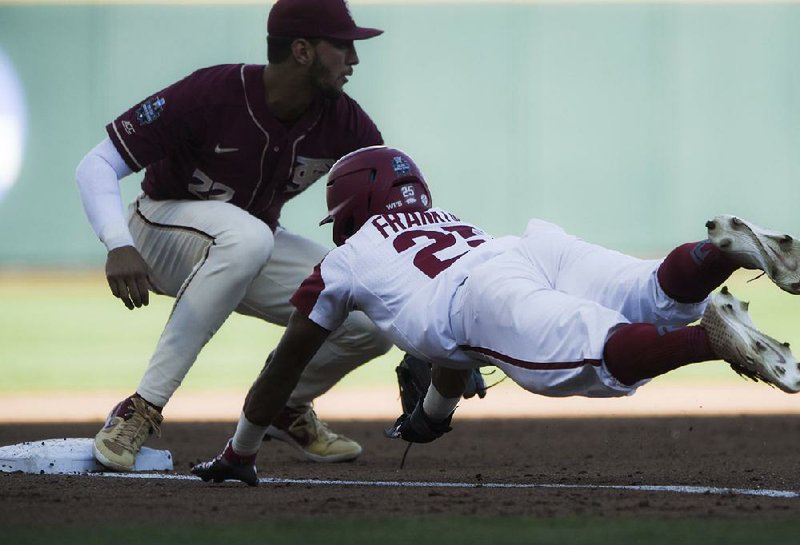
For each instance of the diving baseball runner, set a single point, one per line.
(558, 315)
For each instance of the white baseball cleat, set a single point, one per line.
(734, 338)
(753, 247)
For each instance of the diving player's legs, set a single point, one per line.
(689, 274)
(610, 278)
(568, 327)
(508, 314)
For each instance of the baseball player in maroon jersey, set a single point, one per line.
(223, 150)
(558, 315)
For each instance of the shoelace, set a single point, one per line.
(136, 425)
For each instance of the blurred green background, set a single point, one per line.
(627, 123)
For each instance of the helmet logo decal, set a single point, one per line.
(424, 199)
(408, 194)
(400, 165)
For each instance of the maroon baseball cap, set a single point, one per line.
(316, 19)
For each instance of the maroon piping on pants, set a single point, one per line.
(529, 364)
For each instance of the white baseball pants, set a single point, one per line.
(215, 258)
(543, 311)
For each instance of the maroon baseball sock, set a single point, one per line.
(639, 351)
(237, 459)
(693, 270)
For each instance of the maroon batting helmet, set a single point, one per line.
(370, 181)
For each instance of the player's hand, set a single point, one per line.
(418, 427)
(128, 276)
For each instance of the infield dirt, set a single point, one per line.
(752, 452)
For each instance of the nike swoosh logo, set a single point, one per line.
(218, 149)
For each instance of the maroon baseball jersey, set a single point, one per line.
(211, 136)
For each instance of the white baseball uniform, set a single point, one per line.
(540, 306)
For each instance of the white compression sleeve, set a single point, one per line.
(98, 176)
(248, 437)
(436, 406)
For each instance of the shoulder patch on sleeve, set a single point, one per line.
(150, 110)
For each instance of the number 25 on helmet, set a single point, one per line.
(370, 181)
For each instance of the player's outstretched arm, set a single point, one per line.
(270, 392)
(266, 399)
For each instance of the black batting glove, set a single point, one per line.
(417, 427)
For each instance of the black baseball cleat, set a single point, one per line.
(228, 466)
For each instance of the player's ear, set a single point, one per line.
(303, 51)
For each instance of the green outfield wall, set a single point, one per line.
(629, 124)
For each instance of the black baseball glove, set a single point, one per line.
(417, 427)
(414, 377)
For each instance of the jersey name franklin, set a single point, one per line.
(401, 221)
